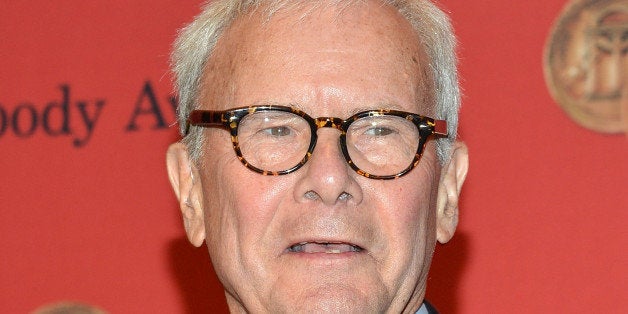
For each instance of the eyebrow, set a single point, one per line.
(377, 106)
(349, 113)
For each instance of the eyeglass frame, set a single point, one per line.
(229, 119)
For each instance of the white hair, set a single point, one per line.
(197, 40)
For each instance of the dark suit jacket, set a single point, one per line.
(430, 308)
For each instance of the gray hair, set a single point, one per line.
(197, 40)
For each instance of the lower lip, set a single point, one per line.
(326, 256)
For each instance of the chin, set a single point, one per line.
(328, 297)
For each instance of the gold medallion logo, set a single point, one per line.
(586, 64)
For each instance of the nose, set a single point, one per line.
(327, 177)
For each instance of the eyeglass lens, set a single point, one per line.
(276, 141)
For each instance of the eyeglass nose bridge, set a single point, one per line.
(329, 122)
(334, 123)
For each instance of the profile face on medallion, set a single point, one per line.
(586, 63)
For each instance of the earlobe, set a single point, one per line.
(452, 178)
(183, 177)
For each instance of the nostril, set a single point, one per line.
(344, 196)
(311, 195)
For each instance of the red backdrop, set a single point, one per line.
(87, 213)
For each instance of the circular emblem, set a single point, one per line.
(586, 64)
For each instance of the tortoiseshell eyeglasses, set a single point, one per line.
(276, 140)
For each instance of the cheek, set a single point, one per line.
(406, 212)
(257, 199)
(239, 210)
(405, 202)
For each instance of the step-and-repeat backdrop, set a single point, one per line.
(87, 111)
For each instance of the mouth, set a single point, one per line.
(324, 247)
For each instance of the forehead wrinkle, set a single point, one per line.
(232, 56)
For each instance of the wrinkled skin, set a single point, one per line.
(330, 63)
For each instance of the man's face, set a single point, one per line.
(329, 63)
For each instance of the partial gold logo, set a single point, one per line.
(586, 63)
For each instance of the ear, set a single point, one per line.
(184, 178)
(452, 178)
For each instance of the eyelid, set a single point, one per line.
(260, 117)
(368, 128)
(388, 127)
(294, 124)
(278, 127)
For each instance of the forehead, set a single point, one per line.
(320, 57)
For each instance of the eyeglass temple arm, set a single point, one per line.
(440, 128)
(204, 118)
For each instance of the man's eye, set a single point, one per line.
(277, 131)
(379, 131)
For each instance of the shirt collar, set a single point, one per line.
(422, 310)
